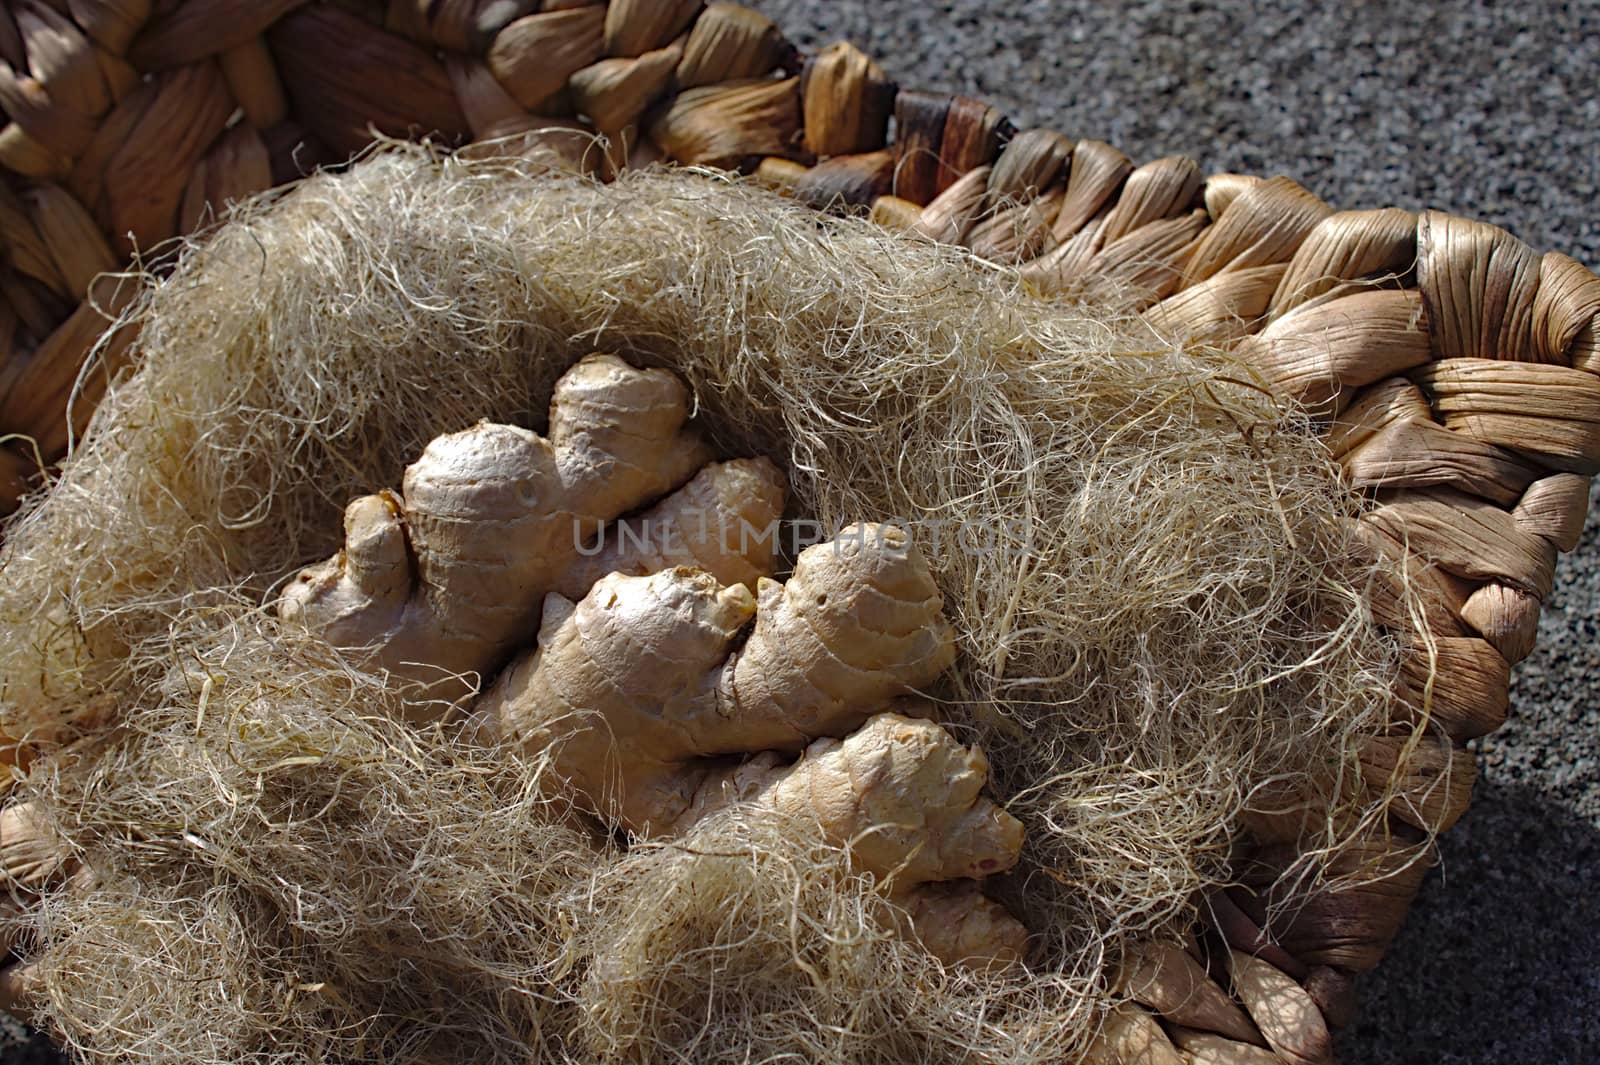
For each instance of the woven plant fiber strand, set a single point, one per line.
(1161, 622)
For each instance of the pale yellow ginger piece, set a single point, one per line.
(442, 581)
(635, 690)
(724, 522)
(33, 858)
(642, 676)
(20, 990)
(32, 854)
(900, 790)
(905, 798)
(622, 689)
(859, 622)
(960, 925)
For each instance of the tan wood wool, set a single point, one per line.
(1455, 366)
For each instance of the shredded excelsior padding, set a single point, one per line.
(1146, 559)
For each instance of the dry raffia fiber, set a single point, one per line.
(1159, 609)
(275, 860)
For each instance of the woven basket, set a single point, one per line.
(1458, 377)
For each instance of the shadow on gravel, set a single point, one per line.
(1499, 960)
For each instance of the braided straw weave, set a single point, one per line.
(1462, 387)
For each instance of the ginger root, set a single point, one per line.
(33, 859)
(721, 522)
(904, 796)
(32, 855)
(643, 689)
(636, 691)
(642, 677)
(439, 583)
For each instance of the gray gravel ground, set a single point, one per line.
(1488, 112)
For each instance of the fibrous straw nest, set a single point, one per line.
(1145, 556)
